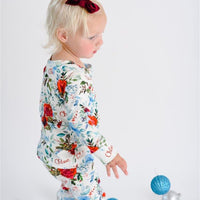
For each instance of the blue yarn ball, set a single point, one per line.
(160, 185)
(112, 199)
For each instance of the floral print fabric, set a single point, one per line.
(79, 183)
(70, 123)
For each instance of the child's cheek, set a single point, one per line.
(89, 49)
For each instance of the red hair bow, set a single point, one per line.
(87, 4)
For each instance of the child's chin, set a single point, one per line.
(89, 56)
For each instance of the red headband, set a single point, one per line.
(87, 4)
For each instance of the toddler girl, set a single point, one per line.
(68, 108)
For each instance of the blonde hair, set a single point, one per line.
(71, 18)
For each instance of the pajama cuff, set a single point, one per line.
(106, 154)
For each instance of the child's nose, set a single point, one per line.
(99, 43)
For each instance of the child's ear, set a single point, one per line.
(62, 35)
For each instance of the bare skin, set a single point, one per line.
(117, 161)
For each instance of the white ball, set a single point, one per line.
(171, 195)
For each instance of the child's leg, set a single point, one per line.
(81, 183)
(85, 186)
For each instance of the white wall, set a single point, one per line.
(0, 97)
(146, 78)
(199, 93)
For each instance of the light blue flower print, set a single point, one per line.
(85, 189)
(92, 98)
(39, 154)
(64, 68)
(71, 89)
(83, 198)
(46, 138)
(89, 133)
(86, 126)
(92, 173)
(61, 100)
(89, 158)
(70, 115)
(76, 130)
(61, 194)
(54, 69)
(83, 167)
(58, 151)
(76, 103)
(52, 126)
(92, 178)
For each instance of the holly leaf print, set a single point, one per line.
(79, 177)
(73, 182)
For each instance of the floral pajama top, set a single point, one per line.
(69, 118)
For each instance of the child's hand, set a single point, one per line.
(118, 160)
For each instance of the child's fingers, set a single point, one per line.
(123, 167)
(114, 168)
(108, 170)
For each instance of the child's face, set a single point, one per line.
(86, 46)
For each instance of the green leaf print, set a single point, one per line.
(53, 171)
(73, 182)
(63, 74)
(46, 161)
(83, 82)
(60, 134)
(79, 177)
(51, 149)
(50, 119)
(47, 127)
(66, 97)
(48, 84)
(90, 140)
(45, 81)
(62, 140)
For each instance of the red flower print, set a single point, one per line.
(65, 188)
(59, 124)
(44, 69)
(44, 120)
(86, 110)
(68, 173)
(72, 150)
(61, 86)
(93, 149)
(104, 194)
(48, 110)
(93, 120)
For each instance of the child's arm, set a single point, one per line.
(83, 119)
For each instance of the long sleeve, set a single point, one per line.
(83, 117)
(70, 119)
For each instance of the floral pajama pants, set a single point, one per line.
(81, 183)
